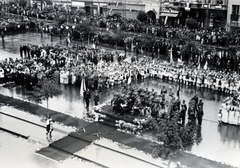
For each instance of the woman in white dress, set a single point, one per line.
(225, 111)
(61, 76)
(66, 78)
(73, 78)
(231, 115)
(236, 117)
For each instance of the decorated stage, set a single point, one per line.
(127, 122)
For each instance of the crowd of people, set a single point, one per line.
(217, 37)
(103, 69)
(229, 113)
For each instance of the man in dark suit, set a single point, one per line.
(200, 112)
(87, 97)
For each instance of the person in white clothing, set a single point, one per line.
(225, 111)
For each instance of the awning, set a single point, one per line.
(169, 14)
(78, 4)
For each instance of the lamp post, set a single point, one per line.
(67, 11)
(207, 15)
(160, 10)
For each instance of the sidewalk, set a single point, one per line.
(126, 139)
(30, 126)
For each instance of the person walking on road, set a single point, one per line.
(49, 127)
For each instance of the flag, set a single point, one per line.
(82, 87)
(165, 21)
(171, 56)
(199, 61)
(129, 80)
(179, 60)
(205, 66)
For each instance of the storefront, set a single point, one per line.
(169, 19)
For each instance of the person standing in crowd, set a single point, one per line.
(183, 112)
(2, 35)
(21, 51)
(153, 52)
(200, 112)
(191, 116)
(87, 97)
(96, 98)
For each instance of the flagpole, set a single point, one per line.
(82, 88)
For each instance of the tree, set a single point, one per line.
(48, 2)
(23, 3)
(142, 16)
(61, 19)
(191, 23)
(189, 51)
(46, 88)
(172, 136)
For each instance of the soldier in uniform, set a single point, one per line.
(96, 98)
(200, 112)
(183, 112)
(87, 97)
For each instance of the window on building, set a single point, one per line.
(219, 2)
(235, 16)
(235, 9)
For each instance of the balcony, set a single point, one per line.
(235, 23)
(235, 20)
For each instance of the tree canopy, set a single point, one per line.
(172, 136)
(191, 23)
(23, 3)
(142, 16)
(46, 88)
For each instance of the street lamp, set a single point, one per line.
(160, 9)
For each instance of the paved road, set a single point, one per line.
(30, 126)
(120, 137)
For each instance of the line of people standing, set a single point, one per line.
(87, 97)
(194, 111)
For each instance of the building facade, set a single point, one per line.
(127, 8)
(208, 13)
(233, 14)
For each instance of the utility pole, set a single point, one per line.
(67, 12)
(207, 17)
(160, 9)
(125, 11)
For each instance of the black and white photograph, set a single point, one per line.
(120, 83)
